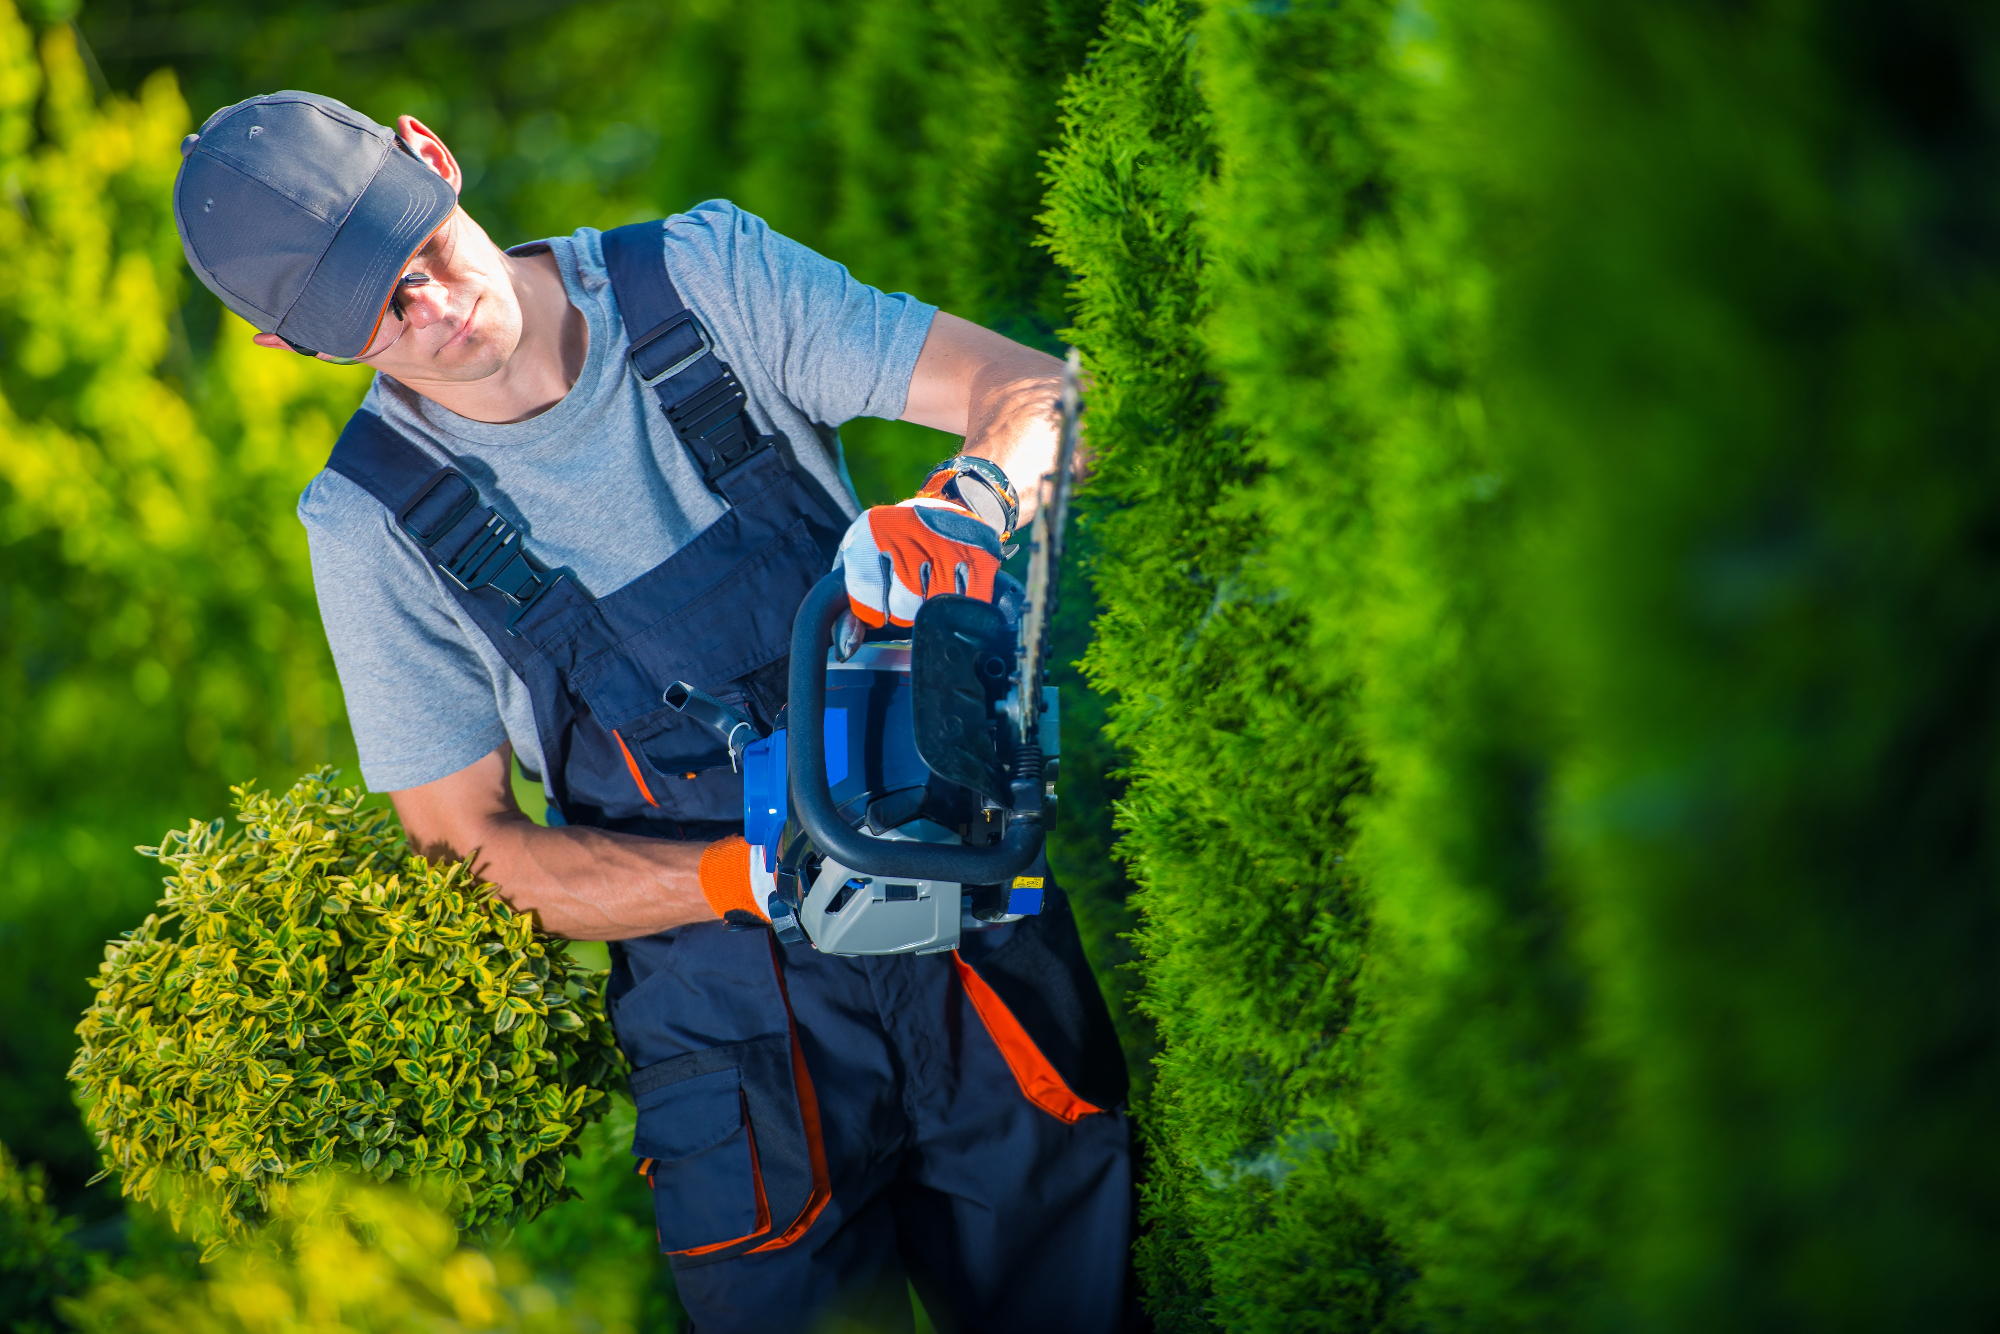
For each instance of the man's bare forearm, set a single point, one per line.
(586, 884)
(1002, 397)
(592, 884)
(1016, 421)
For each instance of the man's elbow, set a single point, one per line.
(483, 838)
(463, 813)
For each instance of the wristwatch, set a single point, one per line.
(981, 486)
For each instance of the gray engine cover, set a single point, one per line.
(884, 914)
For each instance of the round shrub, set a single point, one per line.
(311, 995)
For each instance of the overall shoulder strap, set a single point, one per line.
(440, 509)
(674, 356)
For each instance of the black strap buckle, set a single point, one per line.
(426, 519)
(492, 557)
(714, 422)
(660, 346)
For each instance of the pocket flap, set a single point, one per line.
(714, 1197)
(736, 625)
(681, 1118)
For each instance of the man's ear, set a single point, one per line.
(271, 341)
(430, 150)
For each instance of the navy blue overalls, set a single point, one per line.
(814, 1127)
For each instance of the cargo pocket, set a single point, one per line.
(702, 1160)
(726, 1144)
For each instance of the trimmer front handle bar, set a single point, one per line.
(812, 795)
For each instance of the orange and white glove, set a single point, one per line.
(733, 876)
(895, 556)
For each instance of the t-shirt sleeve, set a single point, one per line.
(836, 347)
(419, 698)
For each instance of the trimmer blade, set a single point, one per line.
(1045, 544)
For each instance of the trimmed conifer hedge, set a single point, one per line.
(1624, 380)
(1241, 761)
(1744, 370)
(1547, 458)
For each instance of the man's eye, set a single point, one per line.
(406, 281)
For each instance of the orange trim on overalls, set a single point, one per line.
(822, 1190)
(1040, 1084)
(633, 765)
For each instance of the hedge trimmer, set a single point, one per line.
(901, 801)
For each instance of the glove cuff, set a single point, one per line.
(725, 877)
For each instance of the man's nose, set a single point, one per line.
(425, 302)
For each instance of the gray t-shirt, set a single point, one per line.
(599, 484)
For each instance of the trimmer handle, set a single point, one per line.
(812, 795)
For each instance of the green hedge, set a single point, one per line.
(1242, 765)
(1683, 408)
(1616, 594)
(1489, 1101)
(1774, 636)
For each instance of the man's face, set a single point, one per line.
(461, 320)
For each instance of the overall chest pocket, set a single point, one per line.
(722, 1139)
(717, 640)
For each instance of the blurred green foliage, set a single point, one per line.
(1494, 1098)
(1688, 714)
(346, 1258)
(599, 1253)
(39, 1261)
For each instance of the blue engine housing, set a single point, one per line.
(871, 747)
(872, 765)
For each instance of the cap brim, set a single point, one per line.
(341, 306)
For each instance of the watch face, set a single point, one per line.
(981, 486)
(977, 496)
(993, 475)
(993, 481)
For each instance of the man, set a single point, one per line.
(590, 467)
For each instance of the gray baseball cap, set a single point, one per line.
(301, 213)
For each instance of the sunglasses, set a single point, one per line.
(407, 281)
